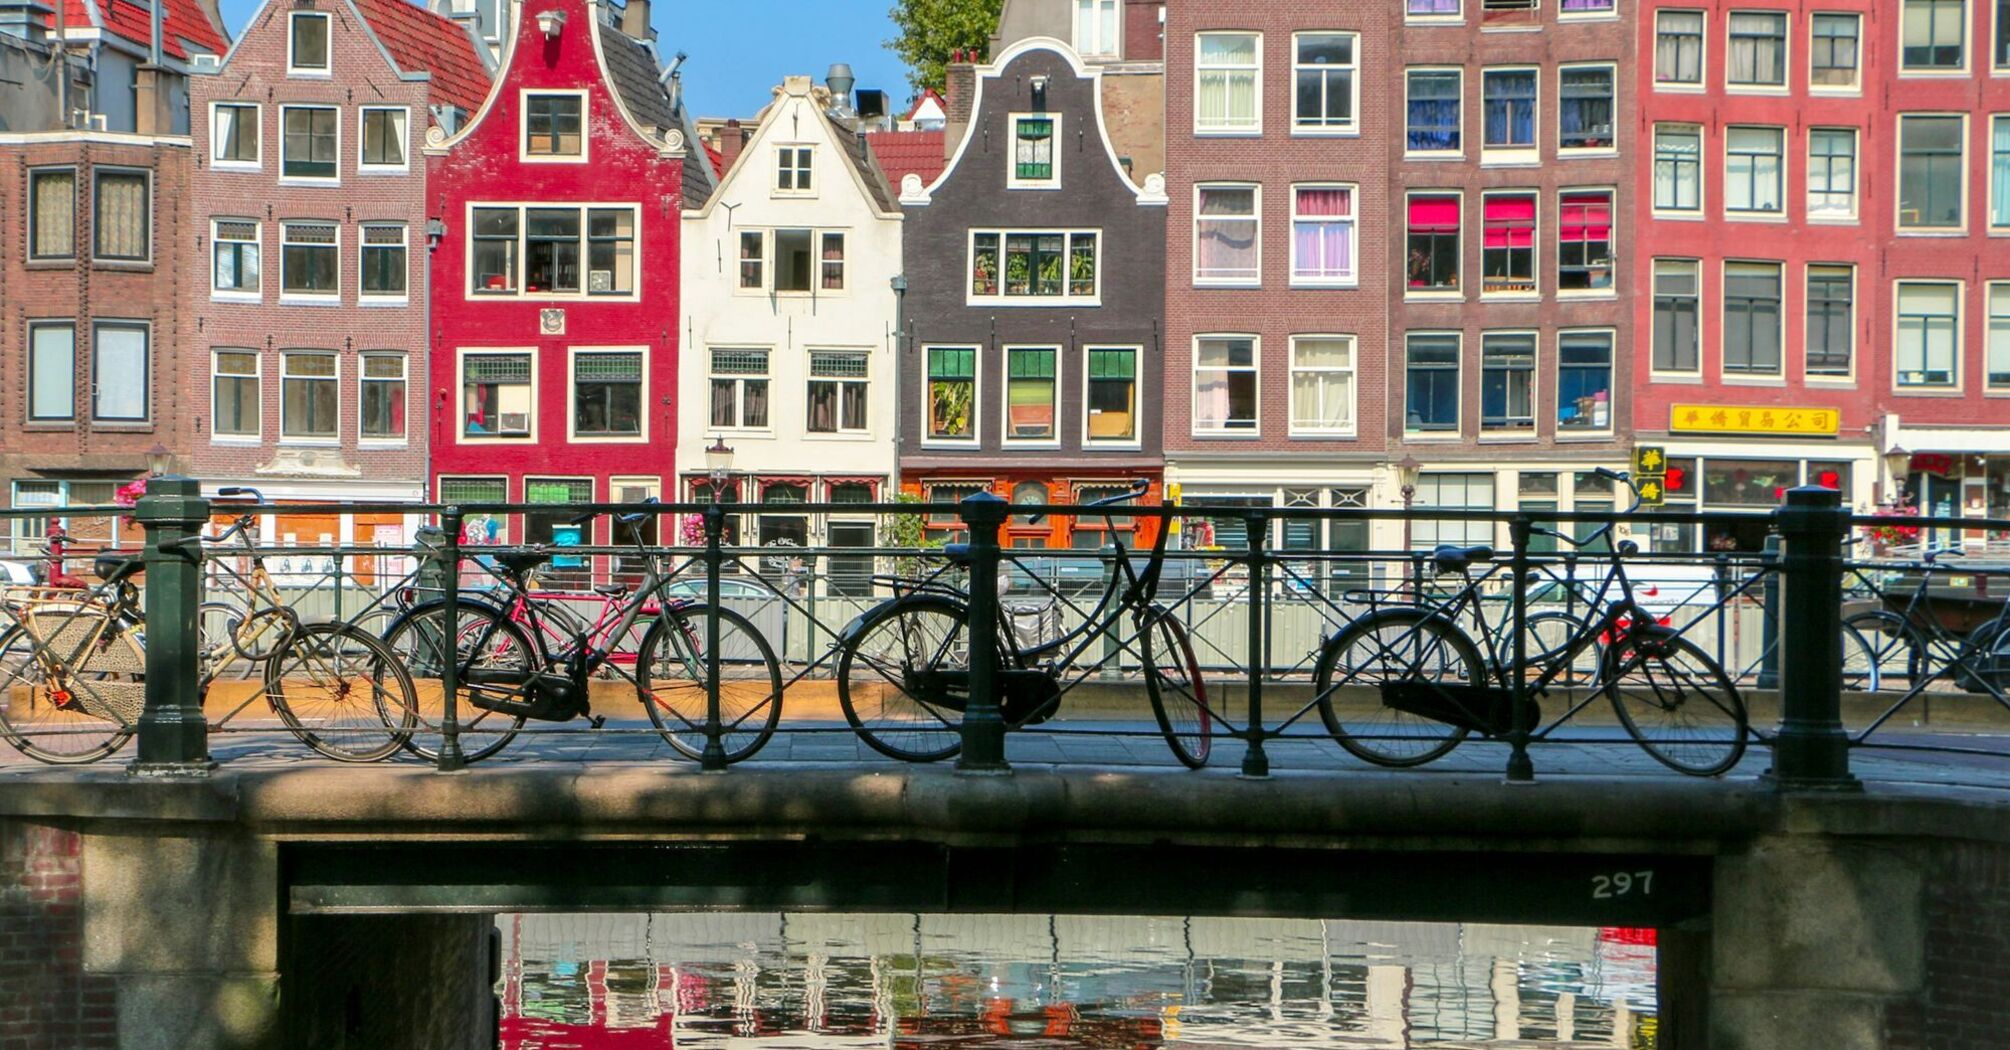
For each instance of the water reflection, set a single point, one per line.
(614, 982)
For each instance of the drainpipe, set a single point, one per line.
(63, 62)
(899, 285)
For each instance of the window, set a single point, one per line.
(1677, 311)
(496, 395)
(793, 169)
(1112, 399)
(751, 267)
(607, 393)
(837, 392)
(307, 43)
(383, 138)
(1224, 384)
(1836, 40)
(234, 248)
(1226, 235)
(1999, 168)
(52, 371)
(382, 396)
(1423, 9)
(1583, 382)
(234, 134)
(307, 396)
(120, 372)
(1322, 235)
(308, 149)
(1453, 492)
(1507, 259)
(2003, 34)
(52, 214)
(1435, 115)
(832, 263)
(1678, 47)
(952, 393)
(1831, 319)
(1752, 170)
(1584, 241)
(383, 261)
(1030, 394)
(1098, 28)
(793, 267)
(1929, 172)
(1227, 67)
(740, 388)
(1997, 364)
(1832, 173)
(1584, 118)
(1510, 96)
(1432, 382)
(1932, 33)
(551, 250)
(495, 242)
(610, 251)
(1434, 243)
(308, 259)
(1508, 12)
(234, 398)
(1054, 265)
(1758, 49)
(1034, 164)
(474, 490)
(1929, 333)
(551, 125)
(1678, 167)
(1323, 75)
(122, 221)
(1322, 384)
(548, 241)
(1587, 7)
(1752, 318)
(1507, 383)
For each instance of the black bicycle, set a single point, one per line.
(1912, 643)
(903, 669)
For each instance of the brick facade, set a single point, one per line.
(50, 1000)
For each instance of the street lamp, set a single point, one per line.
(159, 459)
(1897, 463)
(1406, 477)
(719, 461)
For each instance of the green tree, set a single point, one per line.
(931, 30)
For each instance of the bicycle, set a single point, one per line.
(507, 673)
(903, 668)
(1417, 682)
(81, 659)
(1915, 645)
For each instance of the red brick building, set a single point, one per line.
(554, 216)
(309, 265)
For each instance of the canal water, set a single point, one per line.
(623, 982)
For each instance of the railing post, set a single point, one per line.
(1520, 769)
(983, 728)
(713, 760)
(1769, 615)
(452, 758)
(174, 735)
(1255, 761)
(1811, 750)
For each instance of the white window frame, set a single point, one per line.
(1059, 380)
(1612, 69)
(459, 402)
(1501, 434)
(293, 68)
(976, 397)
(1535, 247)
(1352, 278)
(285, 358)
(1013, 181)
(1612, 388)
(1458, 73)
(1035, 301)
(1856, 176)
(1960, 227)
(1255, 125)
(1611, 193)
(1781, 187)
(572, 389)
(1492, 156)
(310, 298)
(146, 377)
(1096, 48)
(796, 149)
(310, 180)
(363, 380)
(1786, 83)
(1136, 440)
(1253, 280)
(1457, 18)
(1255, 429)
(28, 372)
(404, 114)
(1702, 172)
(522, 260)
(1999, 64)
(1352, 371)
(1956, 385)
(1611, 13)
(1353, 126)
(216, 135)
(1702, 81)
(365, 297)
(1753, 376)
(1700, 273)
(1855, 325)
(767, 375)
(257, 242)
(1999, 123)
(1967, 22)
(1855, 86)
(523, 153)
(810, 377)
(1441, 294)
(257, 377)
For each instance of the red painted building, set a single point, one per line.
(554, 224)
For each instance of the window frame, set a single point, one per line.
(286, 376)
(310, 180)
(1611, 195)
(1607, 13)
(976, 397)
(293, 67)
(1352, 278)
(98, 173)
(523, 150)
(1255, 371)
(1254, 127)
(1534, 246)
(1961, 165)
(146, 329)
(1056, 374)
(1856, 176)
(1352, 372)
(521, 252)
(1966, 20)
(1998, 204)
(1104, 49)
(1698, 314)
(1778, 213)
(797, 167)
(28, 370)
(573, 434)
(366, 297)
(1513, 154)
(257, 377)
(1437, 432)
(1457, 17)
(1955, 378)
(1855, 86)
(811, 379)
(1702, 39)
(1747, 373)
(461, 356)
(1136, 440)
(241, 295)
(1458, 75)
(766, 376)
(363, 381)
(1702, 183)
(1999, 40)
(1786, 39)
(1612, 388)
(1016, 181)
(1458, 291)
(1508, 432)
(1990, 335)
(1611, 70)
(334, 295)
(1847, 375)
(365, 167)
(1254, 218)
(1352, 127)
(216, 133)
(1004, 234)
(76, 183)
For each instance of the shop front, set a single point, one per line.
(1953, 472)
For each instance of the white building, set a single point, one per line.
(790, 317)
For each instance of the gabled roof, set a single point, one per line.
(633, 72)
(902, 152)
(185, 26)
(927, 95)
(853, 146)
(420, 41)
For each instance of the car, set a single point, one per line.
(14, 573)
(692, 588)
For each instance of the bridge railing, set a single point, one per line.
(1249, 635)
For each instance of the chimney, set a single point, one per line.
(23, 19)
(731, 141)
(635, 20)
(959, 95)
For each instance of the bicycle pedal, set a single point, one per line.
(597, 721)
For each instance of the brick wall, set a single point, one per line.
(46, 1000)
(1967, 955)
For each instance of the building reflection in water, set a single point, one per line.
(620, 982)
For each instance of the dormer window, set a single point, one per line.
(307, 44)
(792, 169)
(1035, 163)
(551, 126)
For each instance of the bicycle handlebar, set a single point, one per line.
(1603, 531)
(1138, 488)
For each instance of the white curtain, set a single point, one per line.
(120, 372)
(52, 370)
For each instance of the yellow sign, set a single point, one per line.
(1649, 460)
(1735, 419)
(1652, 493)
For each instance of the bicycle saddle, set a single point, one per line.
(518, 563)
(115, 565)
(610, 590)
(1455, 559)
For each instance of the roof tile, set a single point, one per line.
(421, 41)
(902, 152)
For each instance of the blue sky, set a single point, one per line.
(741, 48)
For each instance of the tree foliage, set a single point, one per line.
(932, 30)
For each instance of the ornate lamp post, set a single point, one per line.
(1406, 476)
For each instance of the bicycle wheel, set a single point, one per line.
(217, 622)
(895, 678)
(1676, 703)
(1380, 649)
(1860, 670)
(89, 711)
(1549, 633)
(670, 679)
(487, 647)
(1177, 691)
(342, 692)
(1897, 648)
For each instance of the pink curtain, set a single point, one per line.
(1510, 222)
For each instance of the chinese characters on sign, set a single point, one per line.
(1731, 419)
